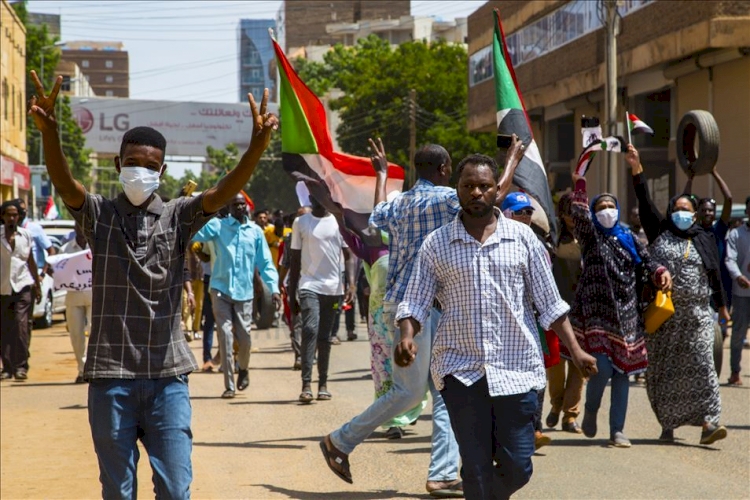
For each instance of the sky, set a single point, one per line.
(186, 50)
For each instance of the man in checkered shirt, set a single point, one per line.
(138, 360)
(486, 271)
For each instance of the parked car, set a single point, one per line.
(53, 302)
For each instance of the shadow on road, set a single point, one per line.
(75, 407)
(42, 384)
(352, 379)
(287, 402)
(738, 427)
(353, 371)
(344, 495)
(411, 451)
(256, 445)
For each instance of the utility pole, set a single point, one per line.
(412, 136)
(612, 29)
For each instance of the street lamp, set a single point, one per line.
(41, 77)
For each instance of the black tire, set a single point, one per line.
(264, 312)
(697, 142)
(45, 321)
(718, 349)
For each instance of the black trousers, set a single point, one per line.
(14, 330)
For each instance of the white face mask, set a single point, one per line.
(607, 217)
(139, 183)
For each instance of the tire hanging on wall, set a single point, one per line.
(698, 142)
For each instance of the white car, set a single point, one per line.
(52, 302)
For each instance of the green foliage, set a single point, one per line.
(376, 79)
(71, 136)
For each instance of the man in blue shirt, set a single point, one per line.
(241, 248)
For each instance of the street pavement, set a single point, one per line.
(263, 444)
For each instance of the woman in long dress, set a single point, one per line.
(605, 314)
(681, 381)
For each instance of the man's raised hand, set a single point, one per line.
(378, 158)
(42, 107)
(263, 122)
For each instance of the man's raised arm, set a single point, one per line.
(42, 110)
(231, 184)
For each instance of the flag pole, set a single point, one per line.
(627, 125)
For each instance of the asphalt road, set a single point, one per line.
(263, 444)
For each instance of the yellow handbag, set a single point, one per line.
(662, 308)
(658, 311)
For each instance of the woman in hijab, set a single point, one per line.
(681, 382)
(565, 391)
(605, 313)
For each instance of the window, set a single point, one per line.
(109, 93)
(85, 63)
(65, 87)
(108, 64)
(13, 103)
(5, 98)
(109, 79)
(20, 111)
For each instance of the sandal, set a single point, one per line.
(306, 396)
(323, 394)
(337, 461)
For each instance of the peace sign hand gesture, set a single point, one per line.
(42, 107)
(378, 158)
(263, 122)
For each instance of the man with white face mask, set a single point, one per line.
(138, 360)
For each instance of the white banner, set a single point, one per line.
(188, 126)
(72, 271)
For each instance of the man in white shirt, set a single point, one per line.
(18, 277)
(78, 305)
(315, 289)
(486, 272)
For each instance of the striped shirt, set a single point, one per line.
(408, 219)
(488, 293)
(137, 275)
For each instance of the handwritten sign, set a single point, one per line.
(72, 271)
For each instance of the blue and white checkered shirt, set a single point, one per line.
(408, 219)
(487, 291)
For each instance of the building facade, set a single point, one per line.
(400, 30)
(14, 169)
(105, 64)
(256, 58)
(52, 21)
(304, 23)
(672, 57)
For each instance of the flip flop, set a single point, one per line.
(338, 462)
(306, 396)
(324, 395)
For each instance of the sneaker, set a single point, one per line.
(5, 376)
(243, 380)
(197, 335)
(618, 440)
(589, 424)
(541, 439)
(351, 336)
(713, 433)
(734, 379)
(21, 375)
(335, 340)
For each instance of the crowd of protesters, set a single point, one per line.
(467, 301)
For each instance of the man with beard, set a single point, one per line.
(18, 278)
(486, 272)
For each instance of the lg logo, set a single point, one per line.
(85, 119)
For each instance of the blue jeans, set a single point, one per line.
(487, 428)
(740, 324)
(409, 385)
(620, 388)
(156, 411)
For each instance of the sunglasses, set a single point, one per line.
(523, 211)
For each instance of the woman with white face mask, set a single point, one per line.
(681, 382)
(605, 314)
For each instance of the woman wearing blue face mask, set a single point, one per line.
(681, 382)
(605, 313)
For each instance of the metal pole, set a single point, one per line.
(611, 91)
(41, 148)
(412, 135)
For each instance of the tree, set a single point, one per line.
(71, 136)
(376, 79)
